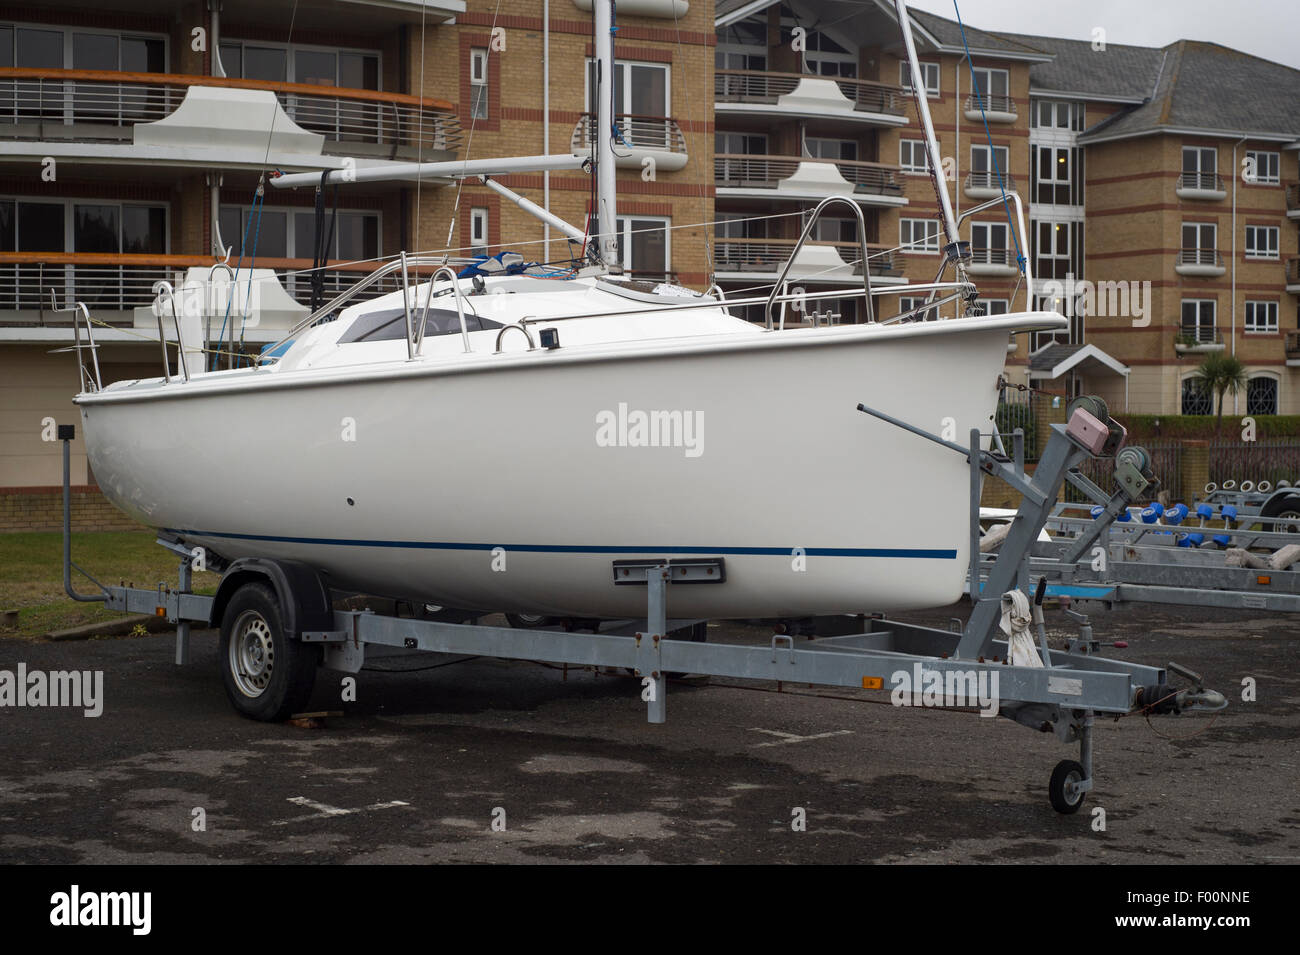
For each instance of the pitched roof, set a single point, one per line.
(948, 33)
(1119, 71)
(1205, 86)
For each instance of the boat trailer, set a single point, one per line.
(279, 623)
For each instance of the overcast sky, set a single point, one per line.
(1267, 28)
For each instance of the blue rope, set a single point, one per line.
(993, 153)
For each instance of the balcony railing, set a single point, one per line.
(992, 104)
(31, 99)
(1200, 181)
(989, 181)
(760, 86)
(1293, 197)
(638, 132)
(1005, 257)
(1292, 346)
(1206, 257)
(764, 172)
(1293, 271)
(768, 255)
(1198, 338)
(120, 283)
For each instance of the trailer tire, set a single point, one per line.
(268, 675)
(529, 621)
(1065, 799)
(1287, 505)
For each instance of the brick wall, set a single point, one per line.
(41, 509)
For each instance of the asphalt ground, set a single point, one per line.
(502, 761)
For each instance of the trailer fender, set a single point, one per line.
(302, 592)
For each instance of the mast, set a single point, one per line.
(931, 142)
(606, 188)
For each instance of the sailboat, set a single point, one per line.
(509, 439)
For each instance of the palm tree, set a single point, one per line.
(1217, 375)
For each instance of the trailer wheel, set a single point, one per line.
(529, 621)
(267, 675)
(1287, 506)
(1066, 798)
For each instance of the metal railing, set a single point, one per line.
(767, 255)
(762, 86)
(1293, 197)
(1209, 257)
(120, 283)
(1203, 181)
(31, 99)
(764, 172)
(992, 103)
(1292, 348)
(803, 237)
(1005, 257)
(1198, 335)
(1292, 271)
(637, 132)
(989, 180)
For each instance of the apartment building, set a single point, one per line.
(134, 136)
(1173, 166)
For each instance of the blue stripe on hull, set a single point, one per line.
(902, 552)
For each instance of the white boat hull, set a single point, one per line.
(490, 485)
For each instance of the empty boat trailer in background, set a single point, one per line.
(278, 624)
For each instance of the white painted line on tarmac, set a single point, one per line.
(324, 811)
(784, 739)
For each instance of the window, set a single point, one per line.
(1200, 168)
(1056, 114)
(640, 89)
(919, 236)
(987, 164)
(291, 233)
(1196, 397)
(1261, 317)
(992, 86)
(1052, 255)
(912, 156)
(835, 149)
(1200, 243)
(1074, 335)
(823, 56)
(731, 165)
(478, 82)
(1261, 395)
(643, 245)
(298, 63)
(992, 306)
(990, 244)
(740, 144)
(742, 45)
(929, 73)
(478, 231)
(1262, 167)
(1057, 180)
(1198, 319)
(737, 225)
(1261, 241)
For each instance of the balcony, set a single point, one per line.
(93, 106)
(997, 109)
(758, 92)
(1198, 341)
(643, 137)
(993, 262)
(1206, 263)
(1293, 275)
(984, 185)
(113, 286)
(1292, 347)
(1200, 185)
(801, 177)
(1293, 200)
(742, 259)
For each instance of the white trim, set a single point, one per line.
(1087, 351)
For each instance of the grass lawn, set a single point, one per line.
(31, 575)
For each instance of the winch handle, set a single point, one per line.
(1040, 592)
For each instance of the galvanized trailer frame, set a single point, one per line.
(1062, 697)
